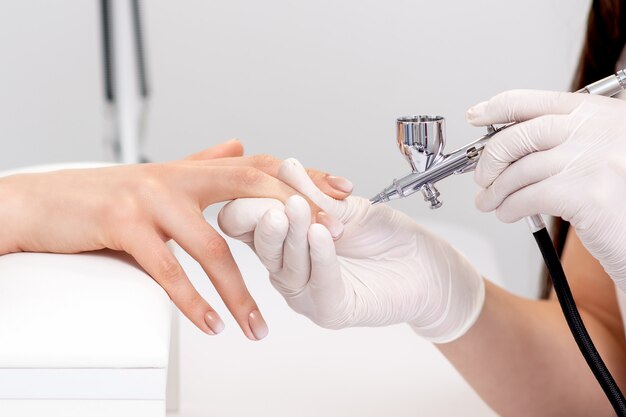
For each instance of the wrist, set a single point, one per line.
(455, 305)
(11, 203)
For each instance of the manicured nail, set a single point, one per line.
(214, 322)
(257, 325)
(334, 226)
(340, 184)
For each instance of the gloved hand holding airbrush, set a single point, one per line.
(385, 269)
(567, 159)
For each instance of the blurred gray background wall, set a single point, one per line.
(319, 80)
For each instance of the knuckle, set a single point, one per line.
(215, 246)
(152, 177)
(127, 213)
(250, 176)
(149, 186)
(170, 271)
(265, 161)
(242, 302)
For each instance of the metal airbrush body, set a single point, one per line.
(421, 140)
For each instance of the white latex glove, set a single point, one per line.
(385, 269)
(567, 159)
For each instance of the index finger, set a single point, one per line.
(211, 184)
(218, 183)
(334, 186)
(521, 105)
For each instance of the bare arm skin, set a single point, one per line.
(521, 358)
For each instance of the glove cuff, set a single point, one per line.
(463, 305)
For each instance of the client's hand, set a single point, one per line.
(385, 268)
(137, 208)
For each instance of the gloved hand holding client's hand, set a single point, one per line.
(384, 269)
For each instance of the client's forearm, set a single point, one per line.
(522, 360)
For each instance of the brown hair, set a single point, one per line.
(604, 41)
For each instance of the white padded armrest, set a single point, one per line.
(90, 310)
(54, 167)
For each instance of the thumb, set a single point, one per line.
(292, 173)
(239, 218)
(231, 148)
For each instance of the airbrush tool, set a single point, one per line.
(422, 140)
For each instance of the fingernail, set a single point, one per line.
(334, 226)
(340, 184)
(475, 111)
(257, 325)
(214, 322)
